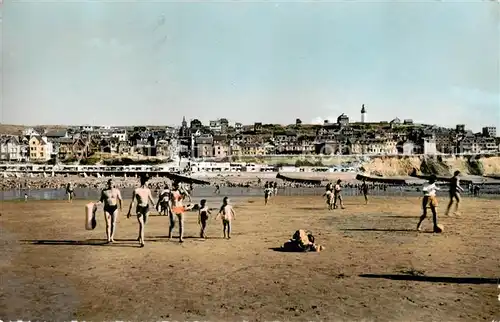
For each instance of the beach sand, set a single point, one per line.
(52, 269)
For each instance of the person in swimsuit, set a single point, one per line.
(185, 192)
(429, 201)
(455, 190)
(267, 193)
(143, 197)
(337, 192)
(177, 210)
(163, 205)
(203, 217)
(275, 188)
(112, 199)
(70, 192)
(228, 214)
(364, 190)
(329, 199)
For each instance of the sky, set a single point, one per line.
(137, 63)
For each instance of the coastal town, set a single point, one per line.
(222, 141)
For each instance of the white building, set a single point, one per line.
(30, 131)
(363, 113)
(215, 126)
(121, 135)
(430, 146)
(408, 148)
(87, 128)
(10, 149)
(490, 131)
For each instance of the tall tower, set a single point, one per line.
(363, 113)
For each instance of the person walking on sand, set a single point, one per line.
(70, 191)
(143, 197)
(364, 190)
(203, 217)
(228, 215)
(455, 190)
(267, 193)
(329, 199)
(429, 201)
(112, 200)
(177, 210)
(337, 193)
(163, 204)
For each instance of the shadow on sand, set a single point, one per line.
(387, 230)
(434, 279)
(282, 250)
(311, 208)
(87, 242)
(278, 249)
(176, 237)
(400, 216)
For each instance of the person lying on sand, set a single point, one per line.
(302, 241)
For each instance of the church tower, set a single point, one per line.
(363, 114)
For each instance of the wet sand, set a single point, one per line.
(375, 267)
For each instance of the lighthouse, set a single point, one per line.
(363, 113)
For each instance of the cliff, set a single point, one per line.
(403, 165)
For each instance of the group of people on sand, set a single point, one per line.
(170, 203)
(429, 200)
(333, 195)
(270, 189)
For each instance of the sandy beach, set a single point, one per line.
(375, 266)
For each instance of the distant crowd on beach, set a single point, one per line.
(59, 182)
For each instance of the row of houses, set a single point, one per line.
(339, 140)
(196, 140)
(42, 146)
(207, 146)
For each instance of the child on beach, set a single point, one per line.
(267, 193)
(203, 217)
(228, 214)
(329, 199)
(430, 201)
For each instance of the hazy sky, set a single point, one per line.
(153, 63)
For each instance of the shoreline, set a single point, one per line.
(237, 179)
